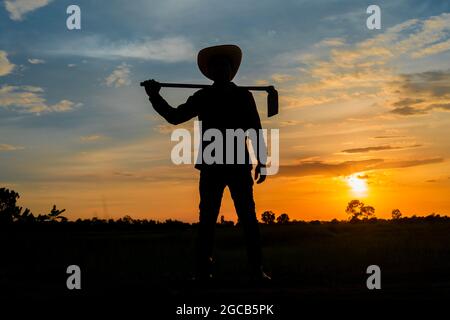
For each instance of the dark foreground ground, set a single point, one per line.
(321, 267)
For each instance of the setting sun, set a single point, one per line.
(357, 185)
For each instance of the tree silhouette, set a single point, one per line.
(353, 209)
(10, 212)
(367, 211)
(268, 217)
(396, 214)
(356, 209)
(283, 218)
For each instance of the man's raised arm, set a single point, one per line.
(184, 112)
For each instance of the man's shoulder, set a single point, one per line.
(203, 91)
(200, 94)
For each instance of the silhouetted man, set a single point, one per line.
(221, 106)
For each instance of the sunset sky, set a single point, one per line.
(364, 114)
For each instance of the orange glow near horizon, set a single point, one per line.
(305, 198)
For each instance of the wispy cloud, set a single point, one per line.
(331, 42)
(9, 147)
(91, 138)
(30, 99)
(388, 137)
(36, 61)
(120, 77)
(19, 8)
(170, 49)
(336, 71)
(308, 168)
(378, 148)
(408, 111)
(5, 66)
(433, 49)
(431, 91)
(279, 77)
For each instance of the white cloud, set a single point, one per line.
(18, 8)
(119, 77)
(5, 66)
(91, 138)
(29, 99)
(9, 147)
(36, 61)
(172, 49)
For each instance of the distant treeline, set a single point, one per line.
(13, 216)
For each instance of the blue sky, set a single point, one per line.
(72, 111)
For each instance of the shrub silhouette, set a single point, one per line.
(224, 222)
(268, 217)
(283, 218)
(53, 216)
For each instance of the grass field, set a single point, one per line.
(309, 263)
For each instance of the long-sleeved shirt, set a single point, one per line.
(219, 107)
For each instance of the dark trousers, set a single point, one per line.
(212, 184)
